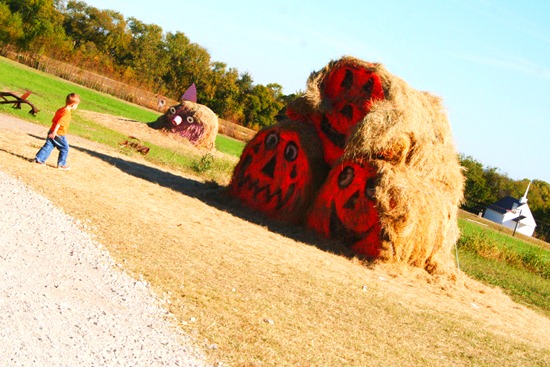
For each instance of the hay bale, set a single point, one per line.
(407, 138)
(192, 121)
(280, 171)
(346, 210)
(336, 99)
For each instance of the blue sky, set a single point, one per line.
(488, 60)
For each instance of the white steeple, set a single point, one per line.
(523, 200)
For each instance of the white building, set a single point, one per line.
(512, 213)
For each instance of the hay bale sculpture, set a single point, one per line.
(280, 171)
(191, 120)
(394, 182)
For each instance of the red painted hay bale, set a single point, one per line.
(280, 171)
(336, 99)
(345, 208)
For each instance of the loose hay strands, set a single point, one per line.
(408, 138)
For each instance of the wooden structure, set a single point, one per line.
(11, 98)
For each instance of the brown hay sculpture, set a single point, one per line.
(407, 138)
(280, 171)
(192, 121)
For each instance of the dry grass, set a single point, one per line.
(255, 293)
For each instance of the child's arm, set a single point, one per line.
(61, 116)
(53, 133)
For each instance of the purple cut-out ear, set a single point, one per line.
(190, 94)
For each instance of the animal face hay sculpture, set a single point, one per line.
(279, 171)
(194, 122)
(345, 208)
(337, 98)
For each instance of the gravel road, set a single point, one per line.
(63, 302)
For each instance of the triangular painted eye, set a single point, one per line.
(271, 140)
(291, 151)
(370, 187)
(346, 177)
(190, 120)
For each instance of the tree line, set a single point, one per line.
(486, 185)
(139, 54)
(142, 55)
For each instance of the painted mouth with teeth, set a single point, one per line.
(183, 121)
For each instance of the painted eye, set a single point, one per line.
(370, 187)
(346, 177)
(291, 151)
(173, 110)
(271, 140)
(190, 120)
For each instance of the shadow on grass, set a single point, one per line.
(217, 196)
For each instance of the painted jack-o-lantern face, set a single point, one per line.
(280, 170)
(183, 121)
(347, 92)
(345, 208)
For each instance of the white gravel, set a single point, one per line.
(63, 302)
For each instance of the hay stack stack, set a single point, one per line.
(374, 127)
(407, 138)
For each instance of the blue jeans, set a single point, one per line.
(59, 142)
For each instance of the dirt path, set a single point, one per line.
(63, 302)
(148, 216)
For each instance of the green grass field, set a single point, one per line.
(48, 94)
(521, 269)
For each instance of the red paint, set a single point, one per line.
(345, 208)
(347, 92)
(274, 174)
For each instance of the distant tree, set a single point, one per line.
(100, 37)
(42, 29)
(498, 185)
(176, 78)
(476, 191)
(147, 61)
(225, 92)
(11, 25)
(262, 105)
(106, 30)
(285, 100)
(487, 185)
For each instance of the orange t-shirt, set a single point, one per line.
(62, 118)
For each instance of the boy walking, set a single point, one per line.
(56, 135)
